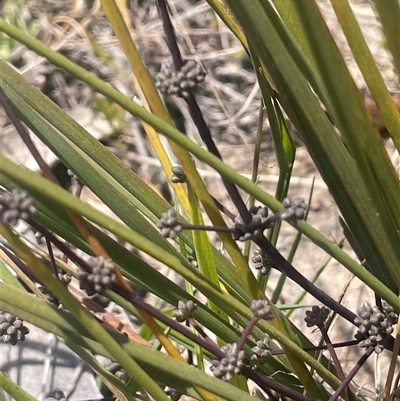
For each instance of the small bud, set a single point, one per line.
(185, 309)
(12, 328)
(244, 232)
(169, 225)
(261, 261)
(230, 364)
(100, 278)
(261, 309)
(182, 83)
(178, 175)
(261, 351)
(14, 206)
(316, 316)
(374, 325)
(294, 209)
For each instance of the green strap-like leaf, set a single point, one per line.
(16, 392)
(176, 373)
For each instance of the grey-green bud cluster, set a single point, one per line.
(185, 309)
(254, 228)
(316, 316)
(230, 364)
(261, 261)
(294, 209)
(100, 278)
(261, 309)
(182, 83)
(169, 225)
(261, 351)
(12, 328)
(374, 325)
(178, 175)
(14, 206)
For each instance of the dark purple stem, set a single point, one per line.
(267, 383)
(190, 353)
(192, 321)
(23, 133)
(170, 34)
(196, 113)
(205, 134)
(139, 303)
(224, 210)
(246, 332)
(389, 343)
(262, 380)
(200, 227)
(335, 360)
(352, 373)
(51, 256)
(21, 264)
(287, 268)
(62, 246)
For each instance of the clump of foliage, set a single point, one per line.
(249, 339)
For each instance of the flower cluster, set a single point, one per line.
(244, 232)
(14, 206)
(12, 328)
(374, 325)
(294, 209)
(178, 175)
(185, 309)
(230, 364)
(261, 261)
(261, 309)
(169, 225)
(182, 83)
(316, 316)
(100, 278)
(261, 351)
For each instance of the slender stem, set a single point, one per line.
(256, 161)
(79, 189)
(78, 193)
(23, 133)
(206, 228)
(287, 268)
(190, 360)
(335, 359)
(139, 303)
(335, 345)
(192, 321)
(224, 210)
(170, 34)
(51, 256)
(352, 373)
(267, 383)
(320, 347)
(196, 113)
(21, 265)
(63, 246)
(246, 332)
